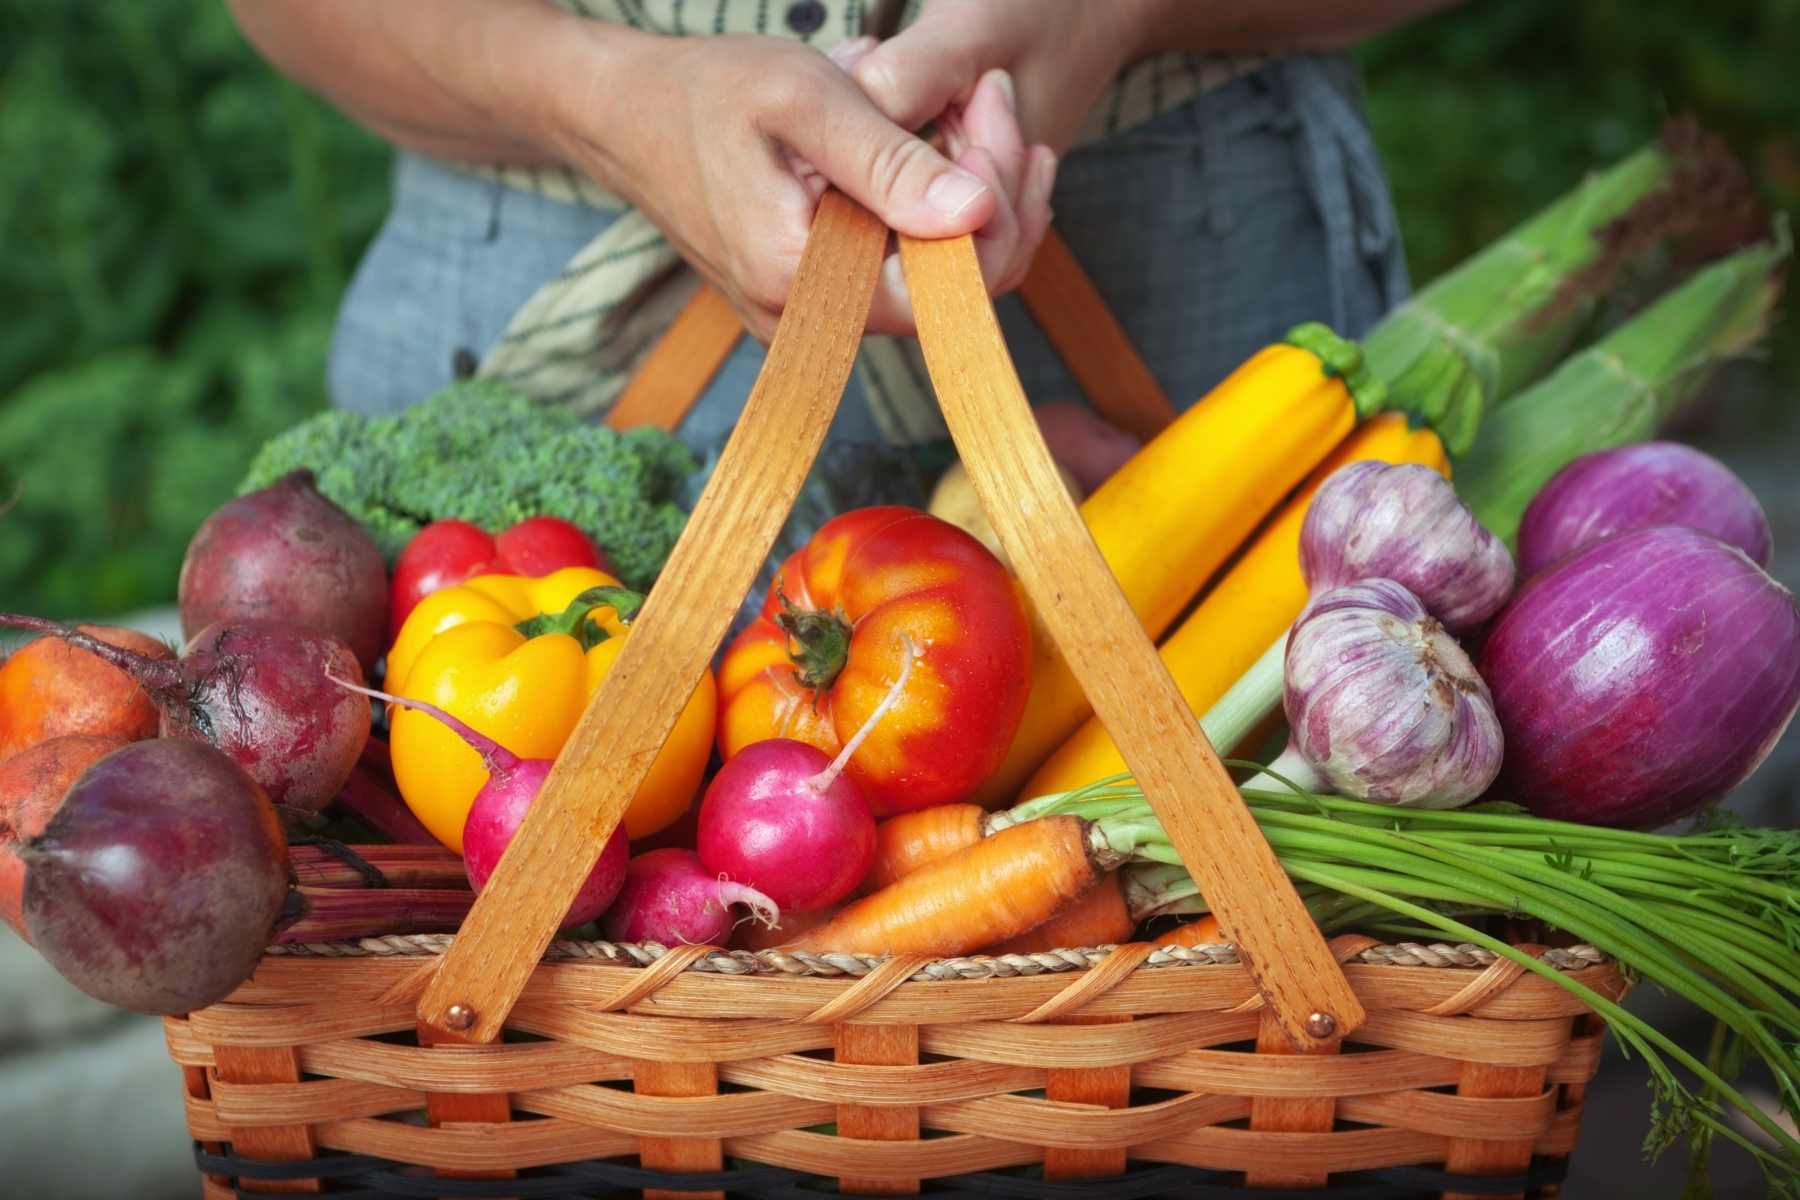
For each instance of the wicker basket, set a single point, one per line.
(534, 1068)
(1153, 1068)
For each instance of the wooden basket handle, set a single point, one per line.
(714, 562)
(1056, 292)
(1113, 659)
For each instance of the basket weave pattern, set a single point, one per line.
(1082, 1061)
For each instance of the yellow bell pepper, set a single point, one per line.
(517, 659)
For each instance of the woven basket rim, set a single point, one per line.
(801, 963)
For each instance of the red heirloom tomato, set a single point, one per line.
(834, 631)
(448, 552)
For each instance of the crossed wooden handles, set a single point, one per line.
(718, 555)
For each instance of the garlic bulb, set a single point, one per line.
(1384, 704)
(1404, 522)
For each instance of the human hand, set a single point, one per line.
(727, 143)
(1061, 54)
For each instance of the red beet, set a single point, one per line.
(287, 554)
(157, 881)
(258, 691)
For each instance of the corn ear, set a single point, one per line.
(1476, 335)
(1622, 388)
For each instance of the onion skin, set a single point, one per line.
(1642, 678)
(1403, 521)
(1384, 704)
(1635, 487)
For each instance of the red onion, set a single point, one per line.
(1642, 678)
(1635, 487)
(1404, 522)
(1383, 704)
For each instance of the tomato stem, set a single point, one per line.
(818, 643)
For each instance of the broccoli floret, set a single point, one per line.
(487, 455)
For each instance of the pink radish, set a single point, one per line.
(671, 899)
(500, 808)
(784, 819)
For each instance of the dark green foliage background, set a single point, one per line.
(178, 223)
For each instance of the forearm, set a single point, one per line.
(1267, 24)
(484, 80)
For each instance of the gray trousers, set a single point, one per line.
(1209, 230)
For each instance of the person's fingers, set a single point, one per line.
(996, 242)
(810, 179)
(990, 120)
(890, 311)
(847, 53)
(1000, 245)
(915, 75)
(894, 174)
(1034, 210)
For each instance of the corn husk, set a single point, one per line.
(1476, 335)
(1622, 388)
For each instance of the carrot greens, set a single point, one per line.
(1712, 916)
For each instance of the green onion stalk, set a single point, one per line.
(1712, 916)
(1473, 337)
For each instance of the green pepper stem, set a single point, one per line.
(574, 621)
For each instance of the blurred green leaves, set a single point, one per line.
(178, 223)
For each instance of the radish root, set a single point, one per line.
(495, 757)
(828, 776)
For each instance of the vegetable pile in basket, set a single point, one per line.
(1505, 635)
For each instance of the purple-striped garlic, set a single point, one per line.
(1404, 522)
(1382, 703)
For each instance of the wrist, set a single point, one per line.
(582, 89)
(1139, 25)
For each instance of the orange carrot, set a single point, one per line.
(907, 842)
(754, 935)
(1098, 918)
(995, 889)
(1201, 931)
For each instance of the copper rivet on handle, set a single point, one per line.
(1319, 1025)
(460, 1017)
